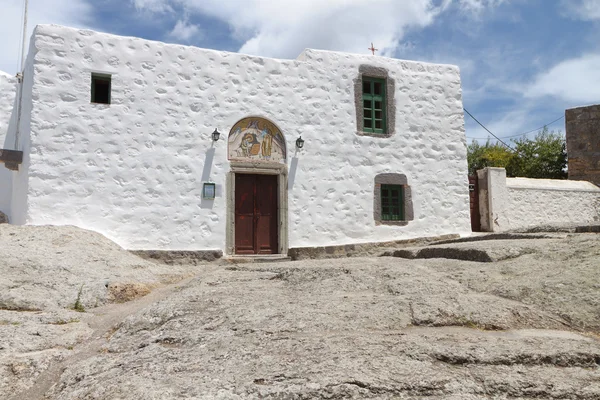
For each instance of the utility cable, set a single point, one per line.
(490, 132)
(525, 133)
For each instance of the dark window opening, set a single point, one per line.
(101, 88)
(366, 87)
(377, 88)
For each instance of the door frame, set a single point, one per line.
(258, 168)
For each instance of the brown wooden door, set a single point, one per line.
(256, 214)
(474, 202)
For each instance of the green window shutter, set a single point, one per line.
(392, 203)
(374, 105)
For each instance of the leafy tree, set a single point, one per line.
(488, 155)
(544, 156)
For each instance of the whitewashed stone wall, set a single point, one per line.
(134, 170)
(8, 88)
(519, 203)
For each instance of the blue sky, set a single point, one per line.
(523, 62)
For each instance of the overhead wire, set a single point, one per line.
(524, 133)
(490, 132)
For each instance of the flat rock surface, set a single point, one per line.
(477, 249)
(523, 327)
(49, 267)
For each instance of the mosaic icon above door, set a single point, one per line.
(256, 139)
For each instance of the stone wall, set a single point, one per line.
(522, 203)
(583, 143)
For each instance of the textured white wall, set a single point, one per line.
(133, 170)
(8, 87)
(518, 203)
(22, 139)
(536, 202)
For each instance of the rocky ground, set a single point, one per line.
(486, 319)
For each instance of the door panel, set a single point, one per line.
(256, 214)
(474, 203)
(244, 214)
(266, 213)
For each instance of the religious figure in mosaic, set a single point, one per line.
(256, 138)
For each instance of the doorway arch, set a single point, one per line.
(257, 214)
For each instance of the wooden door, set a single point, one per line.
(474, 202)
(256, 214)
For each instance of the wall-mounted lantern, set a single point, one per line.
(208, 191)
(299, 142)
(215, 135)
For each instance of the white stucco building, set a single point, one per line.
(115, 134)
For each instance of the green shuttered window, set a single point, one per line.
(392, 207)
(373, 95)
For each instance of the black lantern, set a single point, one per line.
(215, 135)
(299, 142)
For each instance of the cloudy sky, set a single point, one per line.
(523, 62)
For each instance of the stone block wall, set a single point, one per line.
(583, 143)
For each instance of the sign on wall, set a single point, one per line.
(256, 139)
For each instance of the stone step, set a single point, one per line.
(258, 258)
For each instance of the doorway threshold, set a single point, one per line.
(257, 258)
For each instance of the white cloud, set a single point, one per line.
(284, 28)
(477, 6)
(586, 10)
(575, 81)
(185, 32)
(158, 6)
(65, 12)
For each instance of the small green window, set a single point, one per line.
(373, 105)
(392, 205)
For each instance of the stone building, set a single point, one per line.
(116, 135)
(583, 143)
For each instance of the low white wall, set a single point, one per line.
(8, 85)
(519, 203)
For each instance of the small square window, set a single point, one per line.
(392, 203)
(208, 191)
(101, 86)
(392, 200)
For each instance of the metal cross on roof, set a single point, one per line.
(373, 49)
